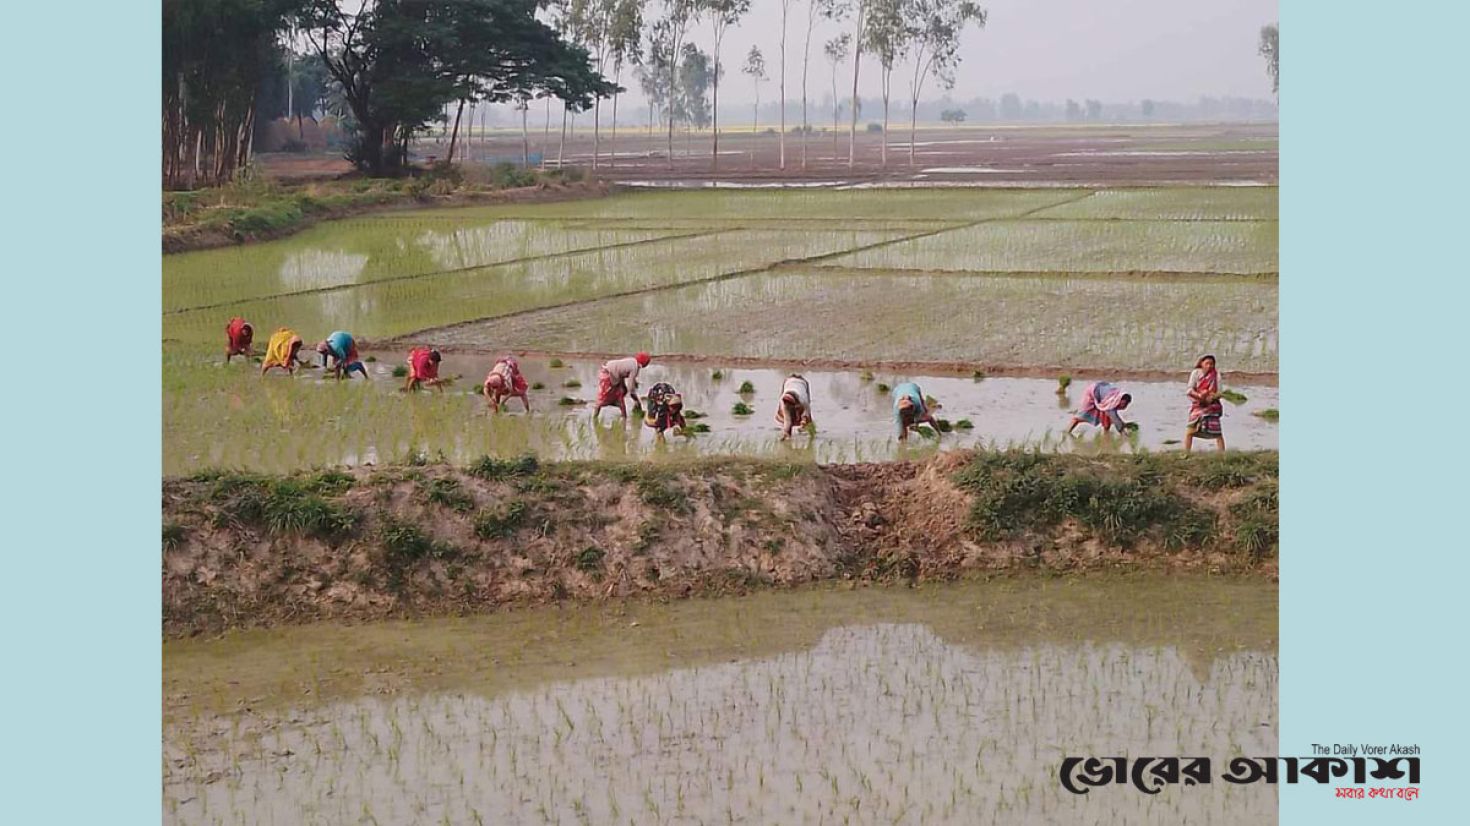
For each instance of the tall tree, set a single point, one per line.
(722, 15)
(888, 37)
(861, 11)
(1270, 49)
(938, 25)
(624, 32)
(670, 32)
(835, 51)
(696, 76)
(813, 10)
(755, 69)
(785, 13)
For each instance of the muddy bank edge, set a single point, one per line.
(248, 550)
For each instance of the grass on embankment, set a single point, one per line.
(262, 209)
(247, 550)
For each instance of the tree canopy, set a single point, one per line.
(399, 62)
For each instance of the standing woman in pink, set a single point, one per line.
(504, 382)
(618, 379)
(1205, 409)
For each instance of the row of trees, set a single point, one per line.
(923, 33)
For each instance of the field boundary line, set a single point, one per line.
(774, 266)
(700, 233)
(1168, 276)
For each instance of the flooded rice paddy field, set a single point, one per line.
(948, 703)
(1131, 281)
(825, 313)
(226, 416)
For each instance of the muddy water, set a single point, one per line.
(282, 424)
(950, 704)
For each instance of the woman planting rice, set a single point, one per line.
(911, 410)
(795, 407)
(1205, 409)
(618, 379)
(281, 351)
(665, 409)
(238, 338)
(1101, 405)
(503, 382)
(423, 369)
(341, 349)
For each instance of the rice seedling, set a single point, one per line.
(1270, 414)
(742, 409)
(571, 384)
(693, 414)
(1063, 382)
(568, 401)
(1232, 396)
(556, 364)
(400, 371)
(536, 385)
(978, 375)
(371, 359)
(883, 388)
(717, 375)
(865, 376)
(746, 388)
(964, 424)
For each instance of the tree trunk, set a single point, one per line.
(913, 129)
(783, 89)
(669, 109)
(546, 134)
(885, 126)
(755, 124)
(561, 147)
(714, 163)
(454, 137)
(525, 138)
(612, 145)
(596, 130)
(834, 113)
(857, 61)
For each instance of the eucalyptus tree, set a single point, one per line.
(722, 15)
(623, 39)
(888, 36)
(755, 69)
(670, 32)
(835, 50)
(1270, 49)
(935, 46)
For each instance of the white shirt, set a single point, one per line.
(800, 388)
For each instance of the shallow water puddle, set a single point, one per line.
(917, 712)
(283, 424)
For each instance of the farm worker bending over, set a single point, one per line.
(238, 337)
(1205, 409)
(1101, 405)
(281, 351)
(617, 379)
(795, 408)
(910, 410)
(341, 349)
(503, 382)
(665, 409)
(423, 369)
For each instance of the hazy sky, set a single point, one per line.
(1111, 50)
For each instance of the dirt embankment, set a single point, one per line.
(213, 234)
(243, 550)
